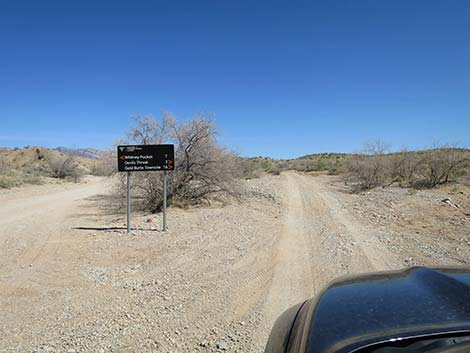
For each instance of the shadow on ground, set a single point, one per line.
(106, 229)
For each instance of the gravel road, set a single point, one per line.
(32, 222)
(72, 280)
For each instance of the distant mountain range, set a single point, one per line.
(92, 153)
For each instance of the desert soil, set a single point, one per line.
(72, 280)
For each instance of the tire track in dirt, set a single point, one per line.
(292, 278)
(320, 241)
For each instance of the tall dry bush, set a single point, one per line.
(440, 165)
(428, 168)
(404, 166)
(371, 168)
(204, 169)
(104, 167)
(62, 167)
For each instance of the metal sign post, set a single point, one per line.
(145, 158)
(128, 202)
(164, 201)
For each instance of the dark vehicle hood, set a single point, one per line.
(356, 312)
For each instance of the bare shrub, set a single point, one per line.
(148, 130)
(404, 166)
(203, 168)
(369, 171)
(428, 168)
(371, 168)
(105, 167)
(375, 148)
(439, 165)
(62, 167)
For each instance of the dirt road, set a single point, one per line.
(215, 281)
(320, 240)
(35, 220)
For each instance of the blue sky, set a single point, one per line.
(281, 78)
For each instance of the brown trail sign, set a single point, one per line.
(145, 158)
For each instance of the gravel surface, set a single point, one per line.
(424, 227)
(72, 280)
